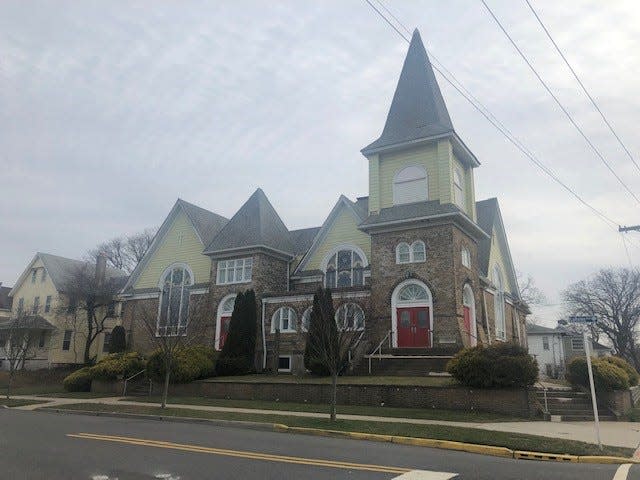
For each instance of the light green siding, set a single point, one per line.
(374, 183)
(343, 230)
(469, 191)
(179, 244)
(497, 256)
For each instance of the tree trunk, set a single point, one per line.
(9, 384)
(334, 394)
(165, 390)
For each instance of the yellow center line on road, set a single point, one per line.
(239, 453)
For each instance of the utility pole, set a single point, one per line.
(633, 228)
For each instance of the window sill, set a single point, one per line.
(234, 283)
(273, 332)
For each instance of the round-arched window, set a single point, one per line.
(174, 301)
(306, 319)
(284, 319)
(350, 316)
(413, 292)
(345, 268)
(410, 185)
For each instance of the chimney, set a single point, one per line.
(101, 268)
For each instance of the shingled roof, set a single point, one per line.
(206, 223)
(486, 212)
(255, 225)
(418, 110)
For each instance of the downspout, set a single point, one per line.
(486, 317)
(264, 339)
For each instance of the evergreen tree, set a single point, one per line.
(238, 351)
(118, 342)
(315, 348)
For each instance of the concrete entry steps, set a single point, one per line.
(572, 406)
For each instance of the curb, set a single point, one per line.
(374, 437)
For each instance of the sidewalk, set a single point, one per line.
(619, 434)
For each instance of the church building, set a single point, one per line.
(419, 266)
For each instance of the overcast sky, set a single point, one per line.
(111, 110)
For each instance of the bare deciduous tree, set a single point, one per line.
(90, 297)
(18, 338)
(613, 297)
(124, 252)
(529, 292)
(330, 343)
(169, 337)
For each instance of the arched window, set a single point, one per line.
(458, 187)
(498, 304)
(225, 310)
(403, 253)
(410, 185)
(415, 253)
(174, 301)
(350, 316)
(413, 292)
(466, 257)
(284, 319)
(469, 315)
(306, 319)
(344, 268)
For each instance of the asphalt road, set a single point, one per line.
(39, 445)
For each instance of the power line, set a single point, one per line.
(559, 103)
(584, 89)
(500, 127)
(626, 249)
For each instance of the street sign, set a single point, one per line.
(582, 319)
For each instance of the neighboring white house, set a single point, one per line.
(554, 348)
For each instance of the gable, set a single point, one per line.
(499, 256)
(343, 229)
(179, 243)
(28, 291)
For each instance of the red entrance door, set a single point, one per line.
(224, 330)
(413, 327)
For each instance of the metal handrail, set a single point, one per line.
(126, 380)
(379, 348)
(355, 345)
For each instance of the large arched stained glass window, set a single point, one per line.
(174, 301)
(345, 268)
(350, 316)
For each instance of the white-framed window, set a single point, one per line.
(345, 268)
(498, 305)
(238, 270)
(284, 319)
(66, 340)
(466, 257)
(349, 316)
(44, 275)
(173, 312)
(545, 343)
(20, 305)
(410, 185)
(458, 187)
(305, 321)
(36, 305)
(34, 273)
(47, 304)
(414, 253)
(284, 363)
(577, 343)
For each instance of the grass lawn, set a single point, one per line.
(634, 415)
(79, 395)
(516, 441)
(355, 380)
(32, 382)
(16, 402)
(450, 415)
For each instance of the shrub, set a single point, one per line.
(189, 364)
(606, 375)
(317, 329)
(634, 377)
(115, 365)
(78, 381)
(118, 340)
(496, 366)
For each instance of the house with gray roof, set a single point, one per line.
(419, 266)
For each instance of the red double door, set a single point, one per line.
(414, 327)
(224, 330)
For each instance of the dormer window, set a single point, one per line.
(410, 185)
(345, 268)
(414, 253)
(458, 187)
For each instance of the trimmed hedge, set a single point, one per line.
(78, 381)
(117, 365)
(501, 365)
(189, 364)
(634, 377)
(606, 375)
